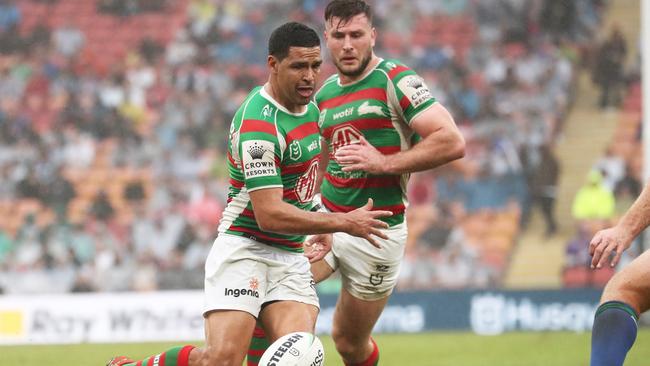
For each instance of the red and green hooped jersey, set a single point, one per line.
(379, 107)
(270, 147)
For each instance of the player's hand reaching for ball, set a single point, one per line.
(365, 223)
(608, 241)
(317, 246)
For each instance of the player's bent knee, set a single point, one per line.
(346, 346)
(346, 349)
(625, 288)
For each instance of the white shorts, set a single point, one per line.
(242, 274)
(368, 273)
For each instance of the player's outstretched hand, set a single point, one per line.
(317, 246)
(362, 156)
(365, 223)
(606, 242)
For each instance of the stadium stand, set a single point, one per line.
(113, 124)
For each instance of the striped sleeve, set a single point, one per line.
(412, 93)
(259, 150)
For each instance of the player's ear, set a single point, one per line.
(373, 36)
(272, 62)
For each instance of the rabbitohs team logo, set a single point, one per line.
(267, 111)
(306, 184)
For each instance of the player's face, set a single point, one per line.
(350, 44)
(296, 75)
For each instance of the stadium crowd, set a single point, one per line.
(112, 174)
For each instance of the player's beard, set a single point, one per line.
(359, 70)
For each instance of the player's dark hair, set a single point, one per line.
(345, 10)
(291, 34)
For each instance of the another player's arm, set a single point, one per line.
(442, 142)
(619, 238)
(275, 215)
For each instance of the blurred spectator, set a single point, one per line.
(577, 249)
(558, 17)
(68, 39)
(58, 192)
(544, 187)
(6, 247)
(608, 70)
(101, 207)
(612, 167)
(9, 15)
(594, 201)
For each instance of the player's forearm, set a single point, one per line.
(435, 150)
(287, 219)
(637, 217)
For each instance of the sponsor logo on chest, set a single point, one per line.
(348, 112)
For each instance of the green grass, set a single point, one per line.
(427, 349)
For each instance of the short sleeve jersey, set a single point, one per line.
(379, 107)
(270, 147)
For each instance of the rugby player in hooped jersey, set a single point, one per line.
(256, 268)
(372, 113)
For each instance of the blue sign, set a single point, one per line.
(484, 312)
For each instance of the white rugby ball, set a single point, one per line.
(295, 349)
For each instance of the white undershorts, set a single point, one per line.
(242, 274)
(368, 273)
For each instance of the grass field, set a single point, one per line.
(427, 349)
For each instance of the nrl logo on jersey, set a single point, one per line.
(390, 65)
(267, 111)
(366, 108)
(295, 151)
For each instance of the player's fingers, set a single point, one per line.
(617, 257)
(352, 167)
(381, 213)
(379, 233)
(372, 241)
(318, 255)
(368, 205)
(596, 254)
(604, 255)
(378, 224)
(313, 240)
(594, 243)
(346, 150)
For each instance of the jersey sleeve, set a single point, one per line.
(259, 150)
(412, 93)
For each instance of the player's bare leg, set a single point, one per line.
(353, 322)
(321, 271)
(631, 285)
(227, 337)
(283, 317)
(625, 297)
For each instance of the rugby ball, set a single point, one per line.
(294, 349)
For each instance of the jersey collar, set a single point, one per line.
(279, 106)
